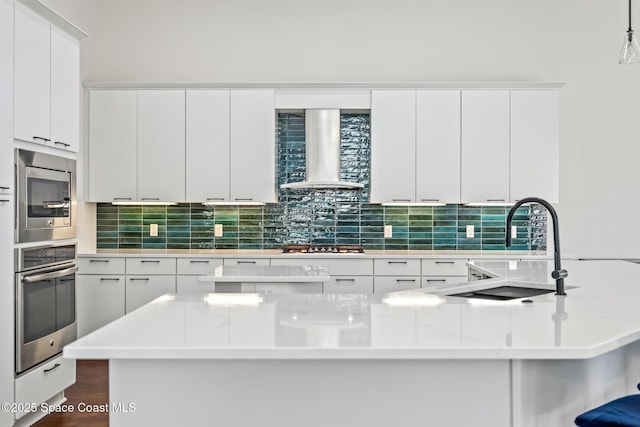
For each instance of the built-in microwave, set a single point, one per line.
(45, 197)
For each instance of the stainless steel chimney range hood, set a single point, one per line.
(322, 142)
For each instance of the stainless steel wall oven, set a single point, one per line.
(45, 197)
(45, 302)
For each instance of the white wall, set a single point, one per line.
(573, 41)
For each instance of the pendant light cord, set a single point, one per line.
(630, 30)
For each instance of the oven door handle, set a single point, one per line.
(52, 275)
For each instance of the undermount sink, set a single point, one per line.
(503, 293)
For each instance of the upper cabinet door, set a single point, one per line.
(65, 90)
(485, 146)
(161, 145)
(438, 146)
(207, 145)
(32, 98)
(252, 151)
(6, 104)
(535, 145)
(113, 133)
(393, 146)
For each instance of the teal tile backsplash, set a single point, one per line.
(318, 216)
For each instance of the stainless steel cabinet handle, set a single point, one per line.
(153, 261)
(345, 280)
(42, 138)
(142, 279)
(445, 262)
(62, 143)
(52, 275)
(5, 200)
(105, 279)
(215, 198)
(495, 200)
(245, 262)
(249, 199)
(436, 280)
(396, 262)
(56, 366)
(98, 260)
(150, 198)
(122, 198)
(204, 261)
(401, 200)
(429, 200)
(4, 188)
(405, 280)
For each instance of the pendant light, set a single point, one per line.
(630, 53)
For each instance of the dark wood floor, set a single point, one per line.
(91, 388)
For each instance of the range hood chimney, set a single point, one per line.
(322, 142)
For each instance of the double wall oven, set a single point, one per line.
(45, 256)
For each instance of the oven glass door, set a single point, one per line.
(48, 306)
(45, 314)
(48, 195)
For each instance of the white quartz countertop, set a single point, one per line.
(268, 273)
(599, 314)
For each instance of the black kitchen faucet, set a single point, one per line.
(558, 273)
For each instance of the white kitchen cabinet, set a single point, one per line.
(188, 271)
(7, 297)
(43, 382)
(348, 275)
(349, 285)
(32, 65)
(247, 261)
(207, 145)
(100, 300)
(438, 272)
(47, 82)
(100, 292)
(161, 145)
(65, 90)
(395, 275)
(113, 133)
(141, 289)
(535, 145)
(485, 146)
(252, 150)
(437, 146)
(393, 146)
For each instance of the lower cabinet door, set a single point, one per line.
(100, 300)
(43, 382)
(349, 285)
(143, 289)
(385, 284)
(190, 284)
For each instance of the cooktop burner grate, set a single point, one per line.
(322, 249)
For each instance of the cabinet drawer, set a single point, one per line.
(247, 261)
(436, 281)
(197, 266)
(190, 284)
(386, 284)
(396, 267)
(349, 285)
(44, 381)
(444, 267)
(338, 267)
(287, 288)
(100, 265)
(151, 266)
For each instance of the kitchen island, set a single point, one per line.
(411, 358)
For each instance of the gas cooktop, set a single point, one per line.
(322, 249)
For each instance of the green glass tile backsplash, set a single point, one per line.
(318, 216)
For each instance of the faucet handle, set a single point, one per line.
(559, 274)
